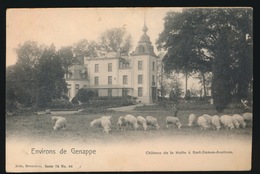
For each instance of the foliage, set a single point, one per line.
(221, 79)
(66, 56)
(84, 95)
(84, 48)
(116, 40)
(60, 104)
(50, 81)
(22, 76)
(191, 39)
(74, 101)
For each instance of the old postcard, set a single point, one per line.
(129, 89)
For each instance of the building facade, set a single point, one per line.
(115, 75)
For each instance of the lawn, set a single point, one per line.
(39, 128)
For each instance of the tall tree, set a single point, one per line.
(200, 30)
(24, 74)
(50, 81)
(66, 56)
(116, 40)
(10, 90)
(85, 48)
(221, 79)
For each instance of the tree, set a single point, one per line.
(84, 95)
(84, 48)
(66, 56)
(50, 78)
(24, 72)
(221, 79)
(184, 53)
(191, 40)
(10, 92)
(116, 40)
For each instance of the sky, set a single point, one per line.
(66, 26)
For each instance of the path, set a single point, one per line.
(127, 108)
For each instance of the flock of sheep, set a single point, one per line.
(226, 121)
(204, 122)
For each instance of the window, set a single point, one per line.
(125, 79)
(76, 88)
(85, 86)
(140, 92)
(69, 89)
(125, 92)
(109, 67)
(96, 68)
(140, 79)
(140, 65)
(153, 82)
(110, 80)
(69, 92)
(96, 81)
(68, 75)
(83, 74)
(153, 66)
(109, 93)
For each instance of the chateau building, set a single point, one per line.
(115, 75)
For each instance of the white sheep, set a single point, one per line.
(235, 122)
(208, 118)
(174, 121)
(54, 119)
(106, 123)
(142, 122)
(192, 119)
(227, 121)
(216, 122)
(96, 123)
(132, 121)
(121, 123)
(248, 118)
(240, 120)
(202, 123)
(60, 124)
(151, 121)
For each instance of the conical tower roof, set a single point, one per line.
(144, 45)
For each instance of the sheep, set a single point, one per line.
(131, 120)
(226, 120)
(54, 119)
(216, 122)
(248, 118)
(106, 123)
(96, 123)
(60, 124)
(152, 122)
(208, 118)
(235, 122)
(202, 123)
(174, 121)
(192, 120)
(142, 122)
(240, 120)
(121, 123)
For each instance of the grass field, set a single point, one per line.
(39, 127)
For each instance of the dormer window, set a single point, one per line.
(68, 75)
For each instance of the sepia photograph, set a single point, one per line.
(129, 89)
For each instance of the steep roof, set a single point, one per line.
(144, 45)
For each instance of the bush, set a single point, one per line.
(60, 104)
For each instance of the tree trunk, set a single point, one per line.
(204, 84)
(186, 82)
